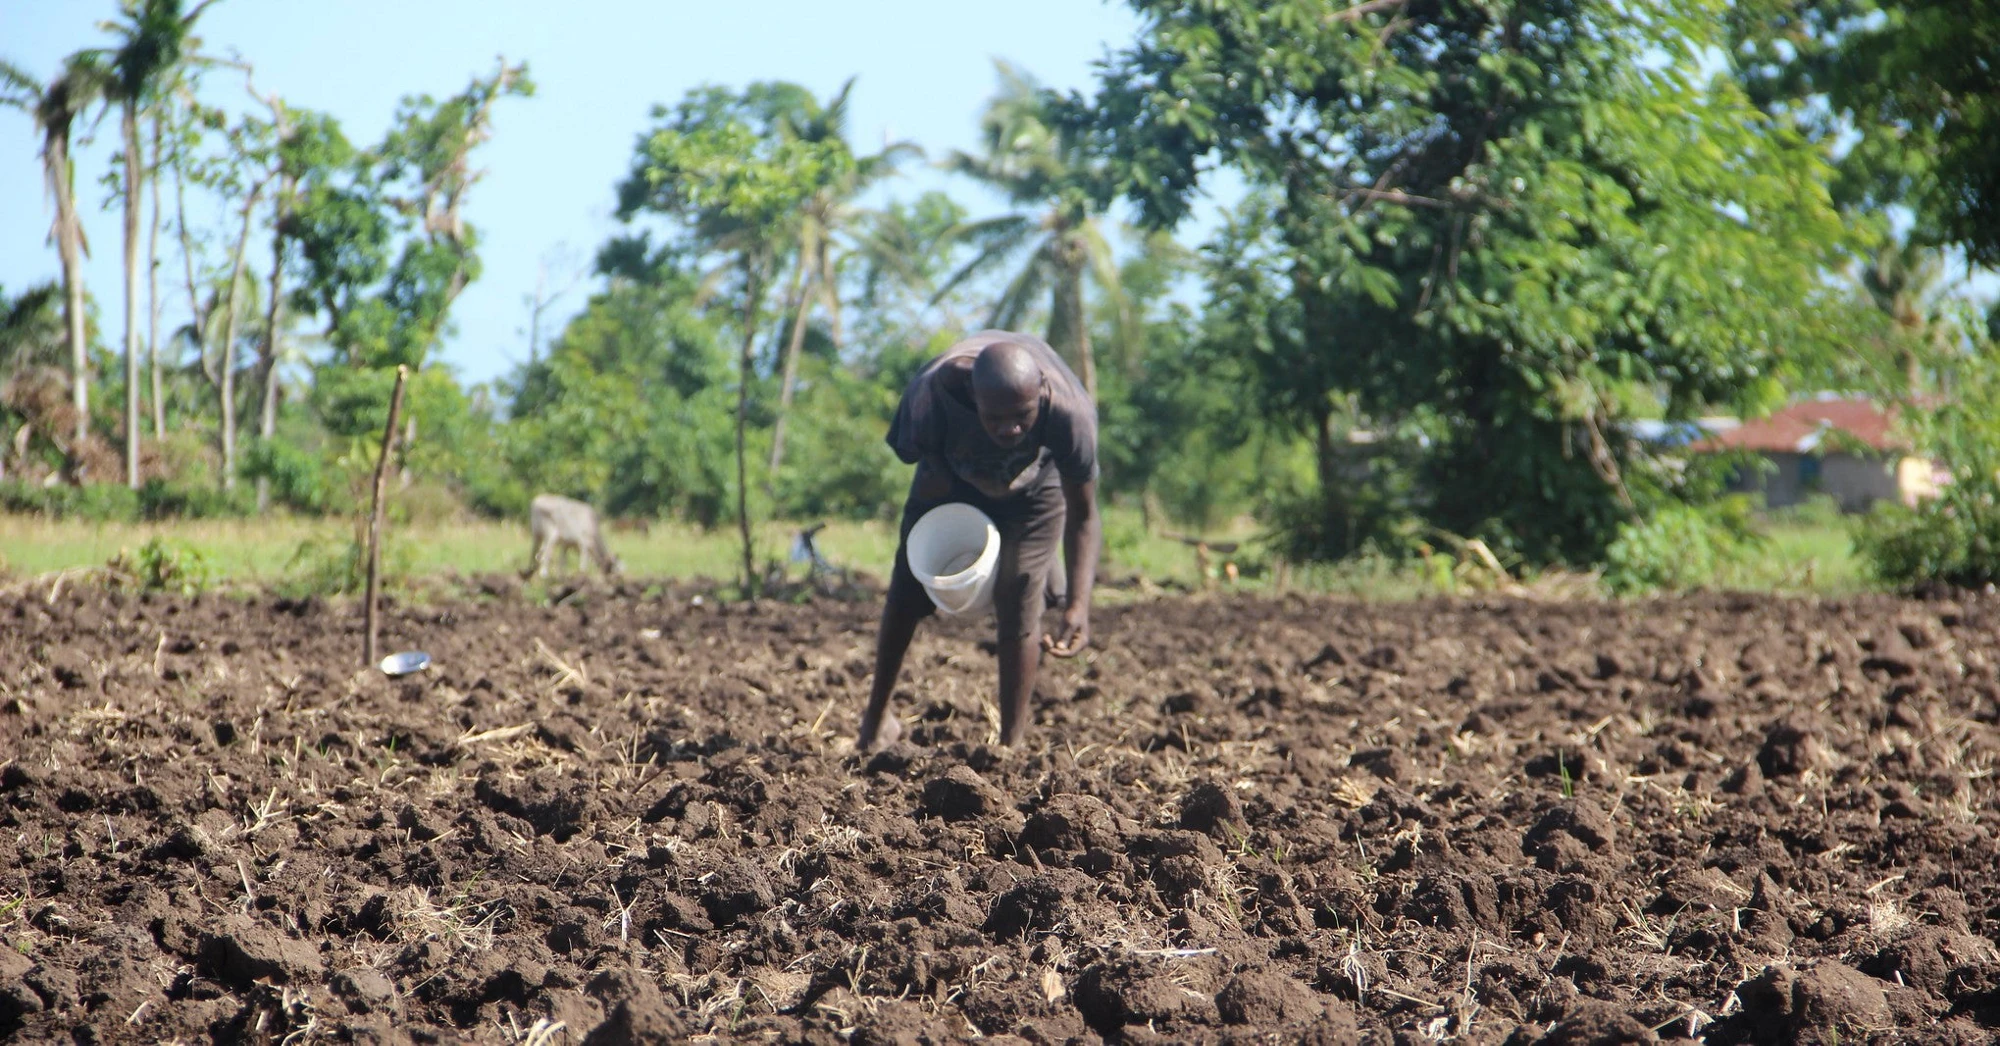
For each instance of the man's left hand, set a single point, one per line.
(1072, 632)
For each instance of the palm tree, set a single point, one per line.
(1038, 165)
(826, 214)
(154, 36)
(55, 109)
(1904, 281)
(905, 253)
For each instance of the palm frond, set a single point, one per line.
(833, 115)
(19, 87)
(996, 244)
(1018, 299)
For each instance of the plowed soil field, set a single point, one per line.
(637, 818)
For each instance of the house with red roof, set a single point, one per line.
(1844, 447)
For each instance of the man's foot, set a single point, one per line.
(886, 733)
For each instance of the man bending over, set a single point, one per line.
(998, 422)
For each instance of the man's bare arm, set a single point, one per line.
(1082, 538)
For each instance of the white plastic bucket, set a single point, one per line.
(954, 550)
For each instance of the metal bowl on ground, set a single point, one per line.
(406, 662)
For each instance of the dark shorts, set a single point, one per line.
(1030, 578)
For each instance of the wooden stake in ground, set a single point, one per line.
(375, 512)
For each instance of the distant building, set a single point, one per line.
(1844, 448)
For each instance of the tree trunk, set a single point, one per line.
(374, 550)
(153, 294)
(1339, 515)
(134, 185)
(403, 476)
(267, 353)
(69, 245)
(801, 290)
(187, 272)
(753, 290)
(1069, 329)
(829, 285)
(227, 378)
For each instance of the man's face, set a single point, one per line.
(1008, 416)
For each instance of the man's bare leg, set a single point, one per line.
(892, 641)
(1020, 660)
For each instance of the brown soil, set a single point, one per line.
(629, 819)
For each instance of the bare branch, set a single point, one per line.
(1368, 7)
(1394, 196)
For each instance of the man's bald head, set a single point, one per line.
(1007, 390)
(1005, 370)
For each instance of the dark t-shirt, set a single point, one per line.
(937, 421)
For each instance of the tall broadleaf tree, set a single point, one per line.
(1058, 240)
(348, 213)
(251, 148)
(1932, 69)
(305, 141)
(55, 108)
(725, 170)
(1495, 219)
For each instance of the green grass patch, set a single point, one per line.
(1805, 556)
(1810, 554)
(266, 551)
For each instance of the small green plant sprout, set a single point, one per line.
(160, 566)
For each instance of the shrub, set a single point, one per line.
(161, 566)
(1681, 547)
(169, 499)
(97, 502)
(297, 477)
(338, 568)
(1953, 538)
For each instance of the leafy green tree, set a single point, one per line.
(238, 176)
(1796, 61)
(1927, 68)
(1907, 282)
(628, 410)
(842, 466)
(31, 344)
(1037, 162)
(403, 197)
(1490, 219)
(55, 108)
(828, 213)
(722, 167)
(379, 250)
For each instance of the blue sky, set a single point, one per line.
(925, 67)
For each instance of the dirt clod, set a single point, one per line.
(1211, 808)
(1592, 1022)
(1267, 999)
(960, 794)
(1828, 1003)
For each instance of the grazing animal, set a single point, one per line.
(557, 523)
